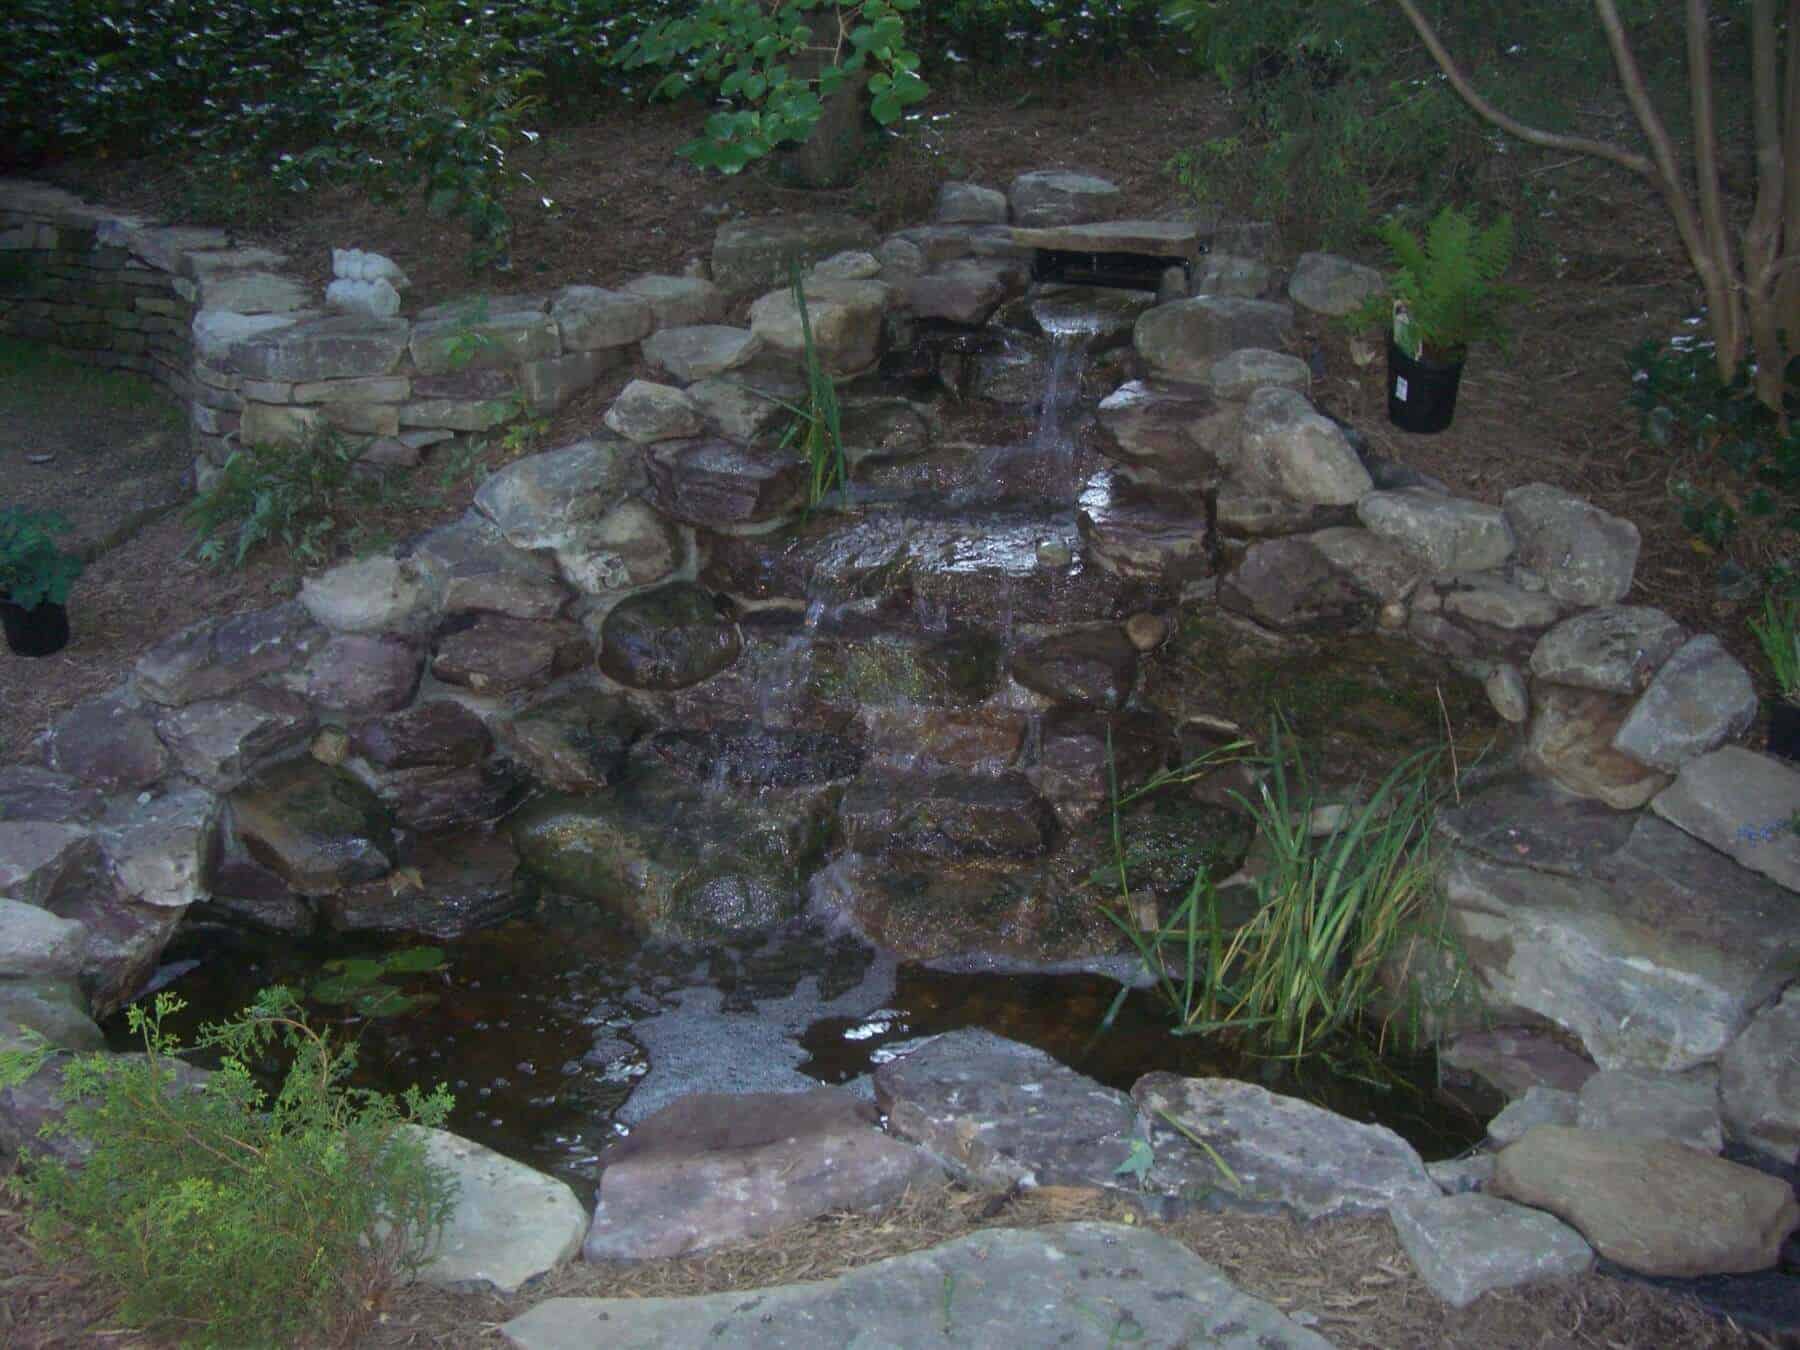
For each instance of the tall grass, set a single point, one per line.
(816, 431)
(1332, 908)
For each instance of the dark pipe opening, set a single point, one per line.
(1127, 271)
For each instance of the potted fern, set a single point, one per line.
(1777, 631)
(35, 577)
(1444, 295)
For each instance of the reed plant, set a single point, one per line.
(816, 431)
(1332, 908)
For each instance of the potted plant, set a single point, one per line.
(35, 577)
(1444, 295)
(1778, 630)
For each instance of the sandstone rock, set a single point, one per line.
(1183, 340)
(1741, 803)
(700, 351)
(969, 204)
(645, 412)
(845, 318)
(476, 571)
(1450, 534)
(1586, 555)
(1048, 197)
(494, 654)
(341, 347)
(1651, 1205)
(1000, 1114)
(483, 337)
(752, 254)
(743, 405)
(1538, 1106)
(1293, 451)
(1759, 1081)
(109, 743)
(1094, 667)
(679, 302)
(667, 638)
(357, 676)
(1615, 649)
(1698, 700)
(593, 319)
(545, 501)
(717, 484)
(554, 382)
(372, 595)
(1465, 1245)
(1328, 284)
(1135, 535)
(1571, 741)
(714, 1168)
(1683, 1108)
(1282, 1151)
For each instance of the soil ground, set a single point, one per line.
(1599, 279)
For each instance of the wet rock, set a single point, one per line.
(1698, 700)
(700, 351)
(1615, 649)
(946, 816)
(631, 545)
(1100, 318)
(1651, 1205)
(1683, 1108)
(716, 484)
(593, 319)
(1146, 632)
(247, 894)
(475, 569)
(969, 204)
(1184, 339)
(109, 743)
(1155, 425)
(1284, 1153)
(1516, 1059)
(975, 740)
(125, 939)
(1571, 741)
(965, 290)
(373, 595)
(510, 1225)
(1449, 534)
(1289, 449)
(1082, 754)
(1051, 197)
(316, 827)
(888, 428)
(1238, 375)
(34, 944)
(357, 676)
(574, 738)
(845, 318)
(1742, 804)
(1157, 538)
(497, 655)
(1094, 667)
(342, 347)
(714, 1168)
(754, 757)
(1287, 585)
(667, 638)
(547, 500)
(161, 851)
(1586, 556)
(1000, 1114)
(645, 412)
(675, 859)
(754, 254)
(452, 886)
(221, 742)
(1334, 286)
(1245, 512)
(1538, 1106)
(28, 792)
(679, 302)
(1759, 1082)
(437, 733)
(1654, 960)
(1463, 1246)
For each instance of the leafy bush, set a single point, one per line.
(292, 494)
(33, 571)
(222, 1217)
(1053, 37)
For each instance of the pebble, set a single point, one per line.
(1146, 632)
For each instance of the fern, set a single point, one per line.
(1446, 291)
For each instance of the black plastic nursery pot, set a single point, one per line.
(41, 631)
(1421, 394)
(1784, 730)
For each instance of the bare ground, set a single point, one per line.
(1606, 273)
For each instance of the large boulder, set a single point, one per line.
(1743, 804)
(1047, 197)
(1185, 339)
(1701, 698)
(845, 319)
(1450, 534)
(1465, 1245)
(668, 638)
(546, 501)
(1330, 285)
(1289, 449)
(1585, 555)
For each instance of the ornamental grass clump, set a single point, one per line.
(1332, 908)
(225, 1218)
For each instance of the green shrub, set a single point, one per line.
(222, 1217)
(33, 570)
(294, 495)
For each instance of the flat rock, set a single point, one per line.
(372, 595)
(357, 675)
(1570, 740)
(716, 1168)
(1155, 424)
(29, 792)
(631, 545)
(963, 290)
(1328, 284)
(315, 826)
(1654, 960)
(1001, 1286)
(1759, 1081)
(452, 886)
(1148, 238)
(486, 336)
(1682, 1108)
(1054, 197)
(344, 346)
(546, 500)
(1239, 374)
(53, 1008)
(1184, 339)
(221, 656)
(1586, 556)
(591, 318)
(1516, 1059)
(1094, 667)
(1232, 274)
(1292, 451)
(717, 484)
(968, 204)
(1284, 1153)
(845, 318)
(41, 859)
(754, 254)
(1463, 1246)
(700, 351)
(109, 743)
(221, 742)
(1136, 535)
(1450, 534)
(435, 734)
(474, 569)
(509, 1226)
(1699, 699)
(1651, 1205)
(499, 655)
(1614, 649)
(946, 816)
(1000, 1114)
(35, 944)
(161, 851)
(1741, 803)
(1376, 566)
(678, 302)
(573, 738)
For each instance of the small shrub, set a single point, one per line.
(294, 495)
(227, 1219)
(33, 571)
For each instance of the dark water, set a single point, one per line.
(531, 1025)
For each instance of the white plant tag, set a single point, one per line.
(1400, 387)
